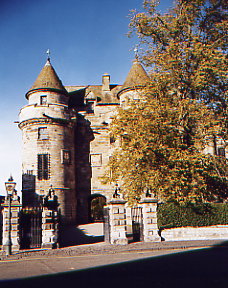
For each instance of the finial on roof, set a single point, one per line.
(136, 78)
(10, 178)
(136, 50)
(47, 79)
(48, 53)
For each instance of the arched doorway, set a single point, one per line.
(97, 203)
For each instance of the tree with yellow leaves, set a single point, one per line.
(164, 134)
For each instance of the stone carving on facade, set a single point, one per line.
(51, 200)
(117, 193)
(148, 192)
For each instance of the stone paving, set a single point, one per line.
(104, 248)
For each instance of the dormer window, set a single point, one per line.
(90, 107)
(43, 100)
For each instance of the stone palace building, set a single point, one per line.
(66, 141)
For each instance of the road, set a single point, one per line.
(36, 266)
(161, 268)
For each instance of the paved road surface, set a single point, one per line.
(27, 267)
(161, 265)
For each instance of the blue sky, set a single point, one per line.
(86, 39)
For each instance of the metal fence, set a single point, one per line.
(30, 228)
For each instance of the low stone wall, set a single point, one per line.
(195, 233)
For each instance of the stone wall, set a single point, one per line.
(101, 147)
(57, 142)
(195, 233)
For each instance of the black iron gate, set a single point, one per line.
(31, 228)
(137, 226)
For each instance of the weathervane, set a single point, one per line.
(48, 53)
(136, 50)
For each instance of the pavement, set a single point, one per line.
(104, 248)
(165, 264)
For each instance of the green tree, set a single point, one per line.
(162, 136)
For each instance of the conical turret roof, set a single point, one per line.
(137, 77)
(48, 79)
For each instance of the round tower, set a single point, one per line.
(48, 144)
(136, 79)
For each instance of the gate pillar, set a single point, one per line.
(106, 225)
(50, 220)
(149, 220)
(13, 225)
(50, 229)
(117, 222)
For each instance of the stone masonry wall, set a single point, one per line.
(195, 233)
(58, 142)
(101, 147)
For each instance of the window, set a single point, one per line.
(65, 156)
(43, 100)
(42, 133)
(112, 140)
(221, 152)
(90, 107)
(96, 160)
(43, 166)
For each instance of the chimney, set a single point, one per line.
(106, 82)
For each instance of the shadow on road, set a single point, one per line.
(71, 236)
(204, 268)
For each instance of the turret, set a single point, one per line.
(136, 79)
(48, 144)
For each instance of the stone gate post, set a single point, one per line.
(50, 220)
(149, 220)
(117, 222)
(15, 214)
(50, 228)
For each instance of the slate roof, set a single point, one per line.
(137, 77)
(95, 91)
(48, 79)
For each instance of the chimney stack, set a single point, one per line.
(106, 82)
